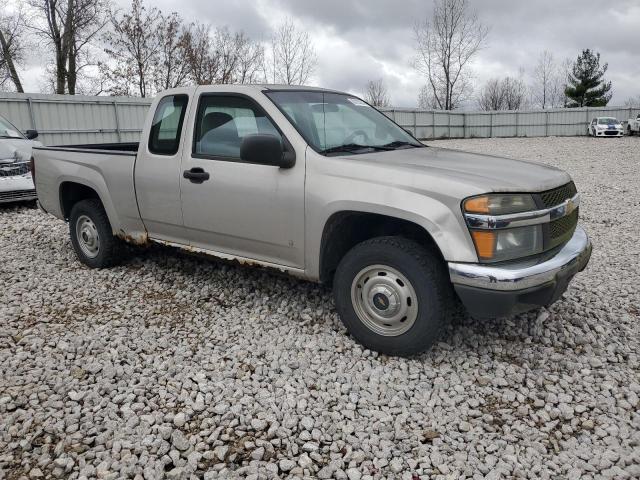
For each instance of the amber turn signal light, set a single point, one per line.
(477, 205)
(485, 243)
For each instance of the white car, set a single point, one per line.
(633, 126)
(16, 184)
(606, 127)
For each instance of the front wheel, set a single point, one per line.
(91, 235)
(392, 295)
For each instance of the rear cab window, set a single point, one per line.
(166, 129)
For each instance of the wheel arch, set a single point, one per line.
(347, 228)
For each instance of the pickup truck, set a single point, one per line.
(633, 126)
(318, 184)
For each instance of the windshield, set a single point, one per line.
(607, 121)
(339, 123)
(9, 131)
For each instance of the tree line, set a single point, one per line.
(97, 49)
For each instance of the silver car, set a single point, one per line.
(16, 184)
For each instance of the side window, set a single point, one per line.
(223, 121)
(166, 129)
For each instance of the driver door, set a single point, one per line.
(233, 207)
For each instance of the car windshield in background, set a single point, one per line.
(9, 131)
(334, 123)
(607, 121)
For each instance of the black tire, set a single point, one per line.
(427, 277)
(109, 250)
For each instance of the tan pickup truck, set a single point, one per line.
(321, 185)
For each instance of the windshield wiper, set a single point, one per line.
(401, 143)
(353, 148)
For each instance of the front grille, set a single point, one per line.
(18, 196)
(561, 230)
(611, 132)
(13, 169)
(554, 197)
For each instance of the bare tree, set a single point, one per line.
(200, 54)
(377, 94)
(69, 26)
(172, 65)
(445, 45)
(250, 60)
(547, 90)
(426, 100)
(293, 56)
(491, 96)
(224, 57)
(133, 46)
(515, 93)
(544, 74)
(11, 47)
(632, 101)
(508, 93)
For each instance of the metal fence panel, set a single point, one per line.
(64, 119)
(522, 123)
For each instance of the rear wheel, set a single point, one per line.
(392, 295)
(91, 235)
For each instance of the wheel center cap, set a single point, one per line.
(381, 301)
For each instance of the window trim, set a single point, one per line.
(179, 129)
(287, 146)
(266, 93)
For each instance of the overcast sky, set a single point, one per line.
(359, 40)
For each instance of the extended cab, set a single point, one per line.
(321, 185)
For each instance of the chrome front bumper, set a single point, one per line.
(499, 290)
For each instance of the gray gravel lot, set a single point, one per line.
(175, 366)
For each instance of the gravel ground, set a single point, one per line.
(177, 367)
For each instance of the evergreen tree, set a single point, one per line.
(587, 87)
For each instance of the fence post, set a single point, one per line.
(415, 123)
(32, 116)
(586, 111)
(517, 123)
(464, 125)
(546, 123)
(433, 124)
(491, 125)
(115, 111)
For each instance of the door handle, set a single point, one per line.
(196, 175)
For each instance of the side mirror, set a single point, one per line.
(267, 150)
(31, 134)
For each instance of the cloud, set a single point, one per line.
(361, 40)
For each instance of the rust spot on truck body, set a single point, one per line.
(141, 239)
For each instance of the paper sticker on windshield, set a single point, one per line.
(357, 102)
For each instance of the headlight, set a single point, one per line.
(508, 244)
(500, 244)
(500, 204)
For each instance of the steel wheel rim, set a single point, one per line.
(384, 300)
(87, 235)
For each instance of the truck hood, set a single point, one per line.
(487, 173)
(12, 149)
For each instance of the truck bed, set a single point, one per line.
(106, 168)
